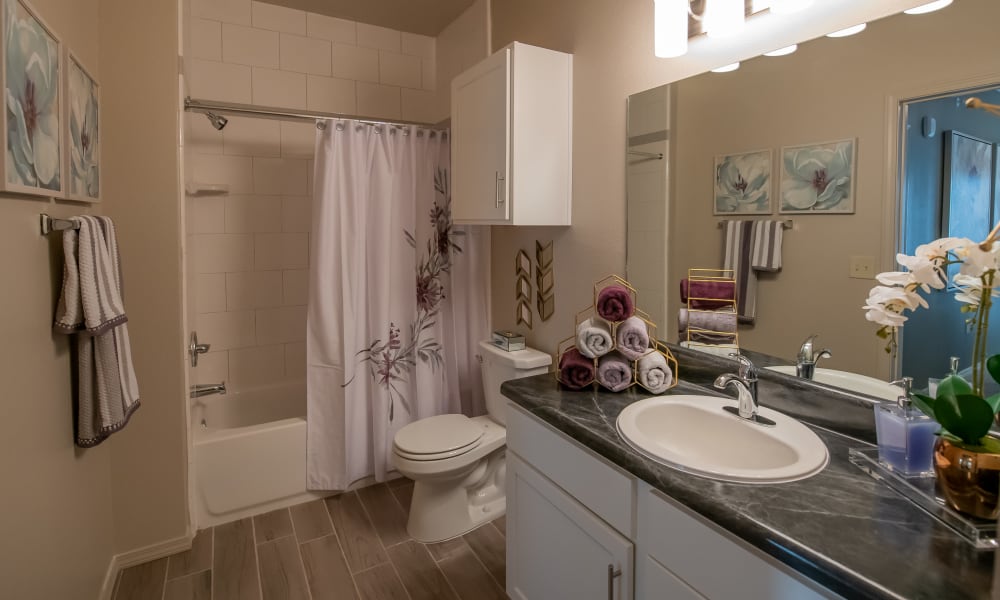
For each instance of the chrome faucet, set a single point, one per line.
(199, 390)
(805, 362)
(745, 382)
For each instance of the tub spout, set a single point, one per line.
(199, 390)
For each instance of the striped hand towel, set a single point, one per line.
(737, 252)
(767, 236)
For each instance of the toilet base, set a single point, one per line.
(443, 510)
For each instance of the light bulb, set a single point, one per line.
(784, 7)
(724, 18)
(929, 7)
(727, 68)
(670, 23)
(783, 51)
(849, 31)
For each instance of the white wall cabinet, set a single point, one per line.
(511, 139)
(571, 515)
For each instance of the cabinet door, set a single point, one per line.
(556, 548)
(480, 144)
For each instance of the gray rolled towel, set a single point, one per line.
(632, 338)
(719, 321)
(614, 372)
(593, 338)
(654, 372)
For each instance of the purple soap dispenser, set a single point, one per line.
(905, 435)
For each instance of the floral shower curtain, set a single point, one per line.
(398, 298)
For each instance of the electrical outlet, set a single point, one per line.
(862, 267)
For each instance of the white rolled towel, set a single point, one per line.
(654, 372)
(593, 338)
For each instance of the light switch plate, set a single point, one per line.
(862, 267)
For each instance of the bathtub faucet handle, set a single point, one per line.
(199, 390)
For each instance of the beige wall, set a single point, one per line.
(611, 44)
(138, 56)
(463, 43)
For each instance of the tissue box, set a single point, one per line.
(508, 340)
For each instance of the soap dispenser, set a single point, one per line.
(905, 435)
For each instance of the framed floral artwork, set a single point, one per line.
(818, 178)
(743, 183)
(82, 133)
(32, 129)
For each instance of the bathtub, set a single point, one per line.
(249, 453)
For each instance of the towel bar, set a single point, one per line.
(50, 224)
(785, 224)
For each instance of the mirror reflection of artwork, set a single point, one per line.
(32, 162)
(818, 178)
(968, 175)
(743, 183)
(83, 140)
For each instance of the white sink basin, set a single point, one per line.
(849, 381)
(694, 434)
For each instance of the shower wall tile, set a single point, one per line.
(212, 367)
(329, 94)
(211, 292)
(209, 214)
(380, 38)
(296, 214)
(281, 325)
(227, 11)
(223, 252)
(331, 28)
(227, 330)
(415, 44)
(235, 171)
(256, 366)
(295, 360)
(379, 101)
(253, 214)
(305, 55)
(281, 251)
(279, 18)
(298, 140)
(283, 89)
(418, 105)
(210, 80)
(399, 69)
(249, 46)
(355, 62)
(252, 137)
(295, 283)
(206, 39)
(279, 176)
(254, 289)
(428, 71)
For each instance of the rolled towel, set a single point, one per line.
(719, 321)
(614, 303)
(575, 370)
(614, 372)
(706, 337)
(654, 372)
(593, 338)
(708, 295)
(632, 338)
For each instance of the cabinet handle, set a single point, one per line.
(612, 575)
(496, 189)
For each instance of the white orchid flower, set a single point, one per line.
(975, 260)
(886, 304)
(939, 248)
(971, 289)
(926, 272)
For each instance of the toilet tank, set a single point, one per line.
(500, 366)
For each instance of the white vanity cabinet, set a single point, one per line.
(511, 139)
(581, 528)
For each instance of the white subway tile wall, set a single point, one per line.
(251, 247)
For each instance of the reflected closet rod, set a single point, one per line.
(268, 112)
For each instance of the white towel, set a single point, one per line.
(593, 338)
(654, 372)
(91, 307)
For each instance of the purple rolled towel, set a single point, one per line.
(576, 371)
(614, 372)
(710, 294)
(614, 303)
(632, 338)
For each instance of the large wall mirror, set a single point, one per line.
(878, 90)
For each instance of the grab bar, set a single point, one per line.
(199, 390)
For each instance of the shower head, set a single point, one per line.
(217, 121)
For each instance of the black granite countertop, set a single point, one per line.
(840, 528)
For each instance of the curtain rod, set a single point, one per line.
(269, 112)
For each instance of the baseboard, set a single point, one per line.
(139, 556)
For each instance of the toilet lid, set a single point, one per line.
(437, 435)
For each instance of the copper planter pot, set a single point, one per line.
(969, 480)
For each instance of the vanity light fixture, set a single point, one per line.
(929, 7)
(727, 68)
(784, 7)
(670, 23)
(849, 31)
(724, 18)
(783, 51)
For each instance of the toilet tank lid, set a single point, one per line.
(529, 358)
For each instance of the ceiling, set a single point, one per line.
(427, 17)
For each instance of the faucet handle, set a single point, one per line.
(747, 369)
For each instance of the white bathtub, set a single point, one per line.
(249, 453)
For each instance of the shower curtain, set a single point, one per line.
(398, 298)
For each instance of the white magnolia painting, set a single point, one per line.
(743, 183)
(32, 78)
(818, 178)
(83, 168)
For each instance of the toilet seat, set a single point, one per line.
(437, 438)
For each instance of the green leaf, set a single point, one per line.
(993, 366)
(994, 402)
(952, 386)
(924, 403)
(965, 416)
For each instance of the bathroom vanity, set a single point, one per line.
(589, 517)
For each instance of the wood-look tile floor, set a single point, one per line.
(350, 546)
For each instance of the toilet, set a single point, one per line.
(458, 464)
